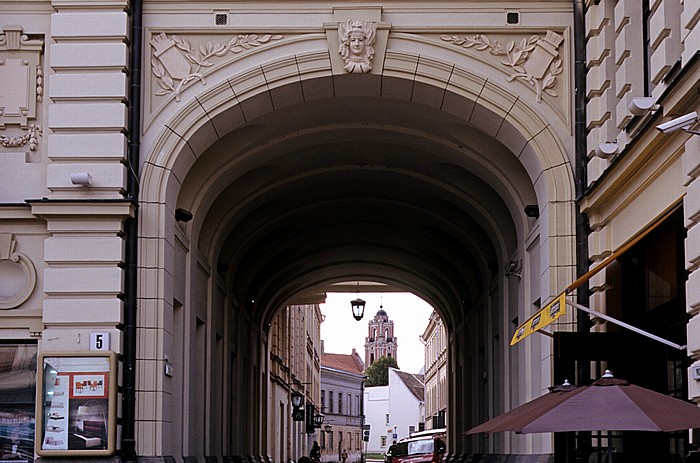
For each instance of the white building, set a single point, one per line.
(395, 410)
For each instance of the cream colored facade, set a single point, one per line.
(435, 339)
(179, 184)
(295, 350)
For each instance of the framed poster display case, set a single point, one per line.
(76, 404)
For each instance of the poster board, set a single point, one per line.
(76, 404)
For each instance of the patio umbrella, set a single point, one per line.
(608, 404)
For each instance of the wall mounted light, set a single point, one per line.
(182, 215)
(81, 178)
(532, 211)
(606, 150)
(297, 399)
(640, 106)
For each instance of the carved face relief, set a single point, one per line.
(356, 40)
(357, 43)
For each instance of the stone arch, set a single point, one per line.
(227, 106)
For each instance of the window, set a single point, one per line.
(387, 418)
(323, 440)
(330, 440)
(330, 401)
(18, 364)
(340, 403)
(383, 441)
(323, 401)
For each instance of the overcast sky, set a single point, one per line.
(341, 332)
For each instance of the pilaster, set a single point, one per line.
(83, 275)
(88, 91)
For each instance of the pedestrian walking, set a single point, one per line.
(315, 453)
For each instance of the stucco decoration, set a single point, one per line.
(534, 59)
(356, 45)
(176, 63)
(29, 137)
(22, 79)
(17, 274)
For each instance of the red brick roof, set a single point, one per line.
(350, 363)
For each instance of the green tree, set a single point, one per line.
(378, 373)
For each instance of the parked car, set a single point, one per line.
(421, 449)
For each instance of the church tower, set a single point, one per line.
(380, 340)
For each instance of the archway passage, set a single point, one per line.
(291, 194)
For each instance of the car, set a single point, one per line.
(421, 449)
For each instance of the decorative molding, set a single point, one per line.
(534, 59)
(356, 45)
(22, 78)
(29, 137)
(174, 57)
(8, 253)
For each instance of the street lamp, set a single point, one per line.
(297, 399)
(318, 420)
(327, 428)
(358, 308)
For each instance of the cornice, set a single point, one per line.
(93, 208)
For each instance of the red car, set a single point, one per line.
(424, 449)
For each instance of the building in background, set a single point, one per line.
(394, 411)
(380, 340)
(295, 334)
(175, 175)
(435, 339)
(342, 382)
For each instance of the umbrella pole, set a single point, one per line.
(610, 456)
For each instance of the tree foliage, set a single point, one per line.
(378, 373)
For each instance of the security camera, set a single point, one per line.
(679, 123)
(641, 105)
(606, 150)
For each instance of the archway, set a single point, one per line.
(294, 184)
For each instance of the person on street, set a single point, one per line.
(315, 453)
(344, 455)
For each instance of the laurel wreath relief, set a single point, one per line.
(201, 58)
(515, 58)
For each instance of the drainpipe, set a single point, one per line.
(128, 441)
(583, 368)
(582, 230)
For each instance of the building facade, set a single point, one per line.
(342, 383)
(435, 339)
(395, 410)
(380, 340)
(175, 174)
(295, 366)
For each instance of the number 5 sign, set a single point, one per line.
(99, 341)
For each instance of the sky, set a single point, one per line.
(340, 332)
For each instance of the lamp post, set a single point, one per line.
(318, 420)
(358, 308)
